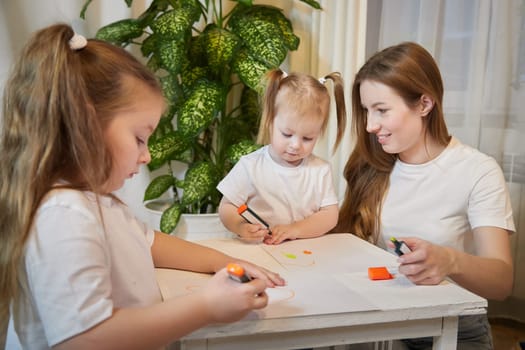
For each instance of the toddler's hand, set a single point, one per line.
(229, 301)
(252, 233)
(281, 233)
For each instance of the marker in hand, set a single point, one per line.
(252, 217)
(400, 247)
(236, 273)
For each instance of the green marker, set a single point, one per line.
(401, 247)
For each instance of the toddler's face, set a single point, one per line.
(294, 136)
(128, 132)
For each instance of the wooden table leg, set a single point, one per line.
(449, 337)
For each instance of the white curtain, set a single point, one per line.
(480, 48)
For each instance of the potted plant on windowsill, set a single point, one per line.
(210, 64)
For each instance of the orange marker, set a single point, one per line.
(379, 273)
(252, 217)
(237, 273)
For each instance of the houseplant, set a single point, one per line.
(210, 64)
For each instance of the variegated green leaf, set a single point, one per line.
(236, 151)
(194, 8)
(250, 70)
(190, 75)
(221, 45)
(263, 39)
(170, 218)
(200, 108)
(171, 54)
(121, 31)
(200, 180)
(276, 16)
(158, 186)
(174, 24)
(165, 148)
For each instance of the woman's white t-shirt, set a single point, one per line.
(443, 200)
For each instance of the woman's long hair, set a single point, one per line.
(411, 72)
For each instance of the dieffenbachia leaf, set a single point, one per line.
(200, 108)
(158, 186)
(170, 218)
(199, 181)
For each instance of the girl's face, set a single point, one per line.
(398, 128)
(127, 135)
(293, 136)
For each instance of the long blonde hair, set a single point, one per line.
(56, 105)
(410, 71)
(302, 92)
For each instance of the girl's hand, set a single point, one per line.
(271, 279)
(427, 264)
(252, 233)
(280, 233)
(228, 301)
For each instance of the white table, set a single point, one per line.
(329, 299)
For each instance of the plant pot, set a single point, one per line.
(191, 227)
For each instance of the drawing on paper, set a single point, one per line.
(291, 255)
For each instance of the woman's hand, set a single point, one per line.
(489, 273)
(228, 301)
(427, 264)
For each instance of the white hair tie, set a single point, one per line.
(77, 42)
(284, 74)
(322, 80)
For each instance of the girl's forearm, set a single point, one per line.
(172, 252)
(145, 328)
(318, 223)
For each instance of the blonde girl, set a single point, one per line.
(284, 182)
(76, 267)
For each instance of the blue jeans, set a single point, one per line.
(473, 334)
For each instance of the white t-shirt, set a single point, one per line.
(278, 194)
(443, 200)
(77, 271)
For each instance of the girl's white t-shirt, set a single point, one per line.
(279, 194)
(77, 271)
(443, 200)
